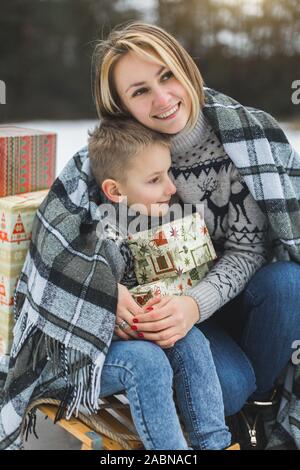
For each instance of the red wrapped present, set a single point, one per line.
(27, 160)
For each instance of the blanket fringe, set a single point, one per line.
(22, 330)
(81, 375)
(61, 411)
(30, 425)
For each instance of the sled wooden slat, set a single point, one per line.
(118, 430)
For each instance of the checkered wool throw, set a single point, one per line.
(66, 297)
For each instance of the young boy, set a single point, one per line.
(130, 164)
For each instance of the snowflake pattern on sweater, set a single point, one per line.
(204, 173)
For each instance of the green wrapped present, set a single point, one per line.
(171, 249)
(175, 285)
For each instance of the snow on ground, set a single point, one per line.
(73, 135)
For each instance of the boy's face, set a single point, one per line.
(148, 187)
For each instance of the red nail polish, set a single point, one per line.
(133, 327)
(135, 320)
(140, 335)
(148, 309)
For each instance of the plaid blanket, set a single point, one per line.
(269, 165)
(65, 303)
(66, 297)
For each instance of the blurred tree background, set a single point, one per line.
(249, 49)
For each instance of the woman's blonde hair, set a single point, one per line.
(153, 43)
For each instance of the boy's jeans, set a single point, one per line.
(147, 373)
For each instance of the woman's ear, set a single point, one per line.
(111, 190)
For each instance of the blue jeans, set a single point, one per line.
(251, 337)
(250, 341)
(148, 373)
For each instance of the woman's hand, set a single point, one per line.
(126, 309)
(169, 319)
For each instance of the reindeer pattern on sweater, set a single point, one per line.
(204, 174)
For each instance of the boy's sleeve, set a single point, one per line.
(117, 251)
(121, 261)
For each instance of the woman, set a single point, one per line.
(247, 307)
(234, 160)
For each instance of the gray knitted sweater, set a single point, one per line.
(203, 173)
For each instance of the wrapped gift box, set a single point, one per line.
(171, 249)
(16, 218)
(4, 362)
(6, 330)
(176, 285)
(27, 160)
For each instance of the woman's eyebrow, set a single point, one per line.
(143, 83)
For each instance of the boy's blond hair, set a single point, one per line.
(113, 144)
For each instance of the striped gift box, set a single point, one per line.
(6, 330)
(16, 218)
(27, 160)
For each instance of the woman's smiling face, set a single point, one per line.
(152, 94)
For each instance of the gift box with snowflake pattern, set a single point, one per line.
(171, 249)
